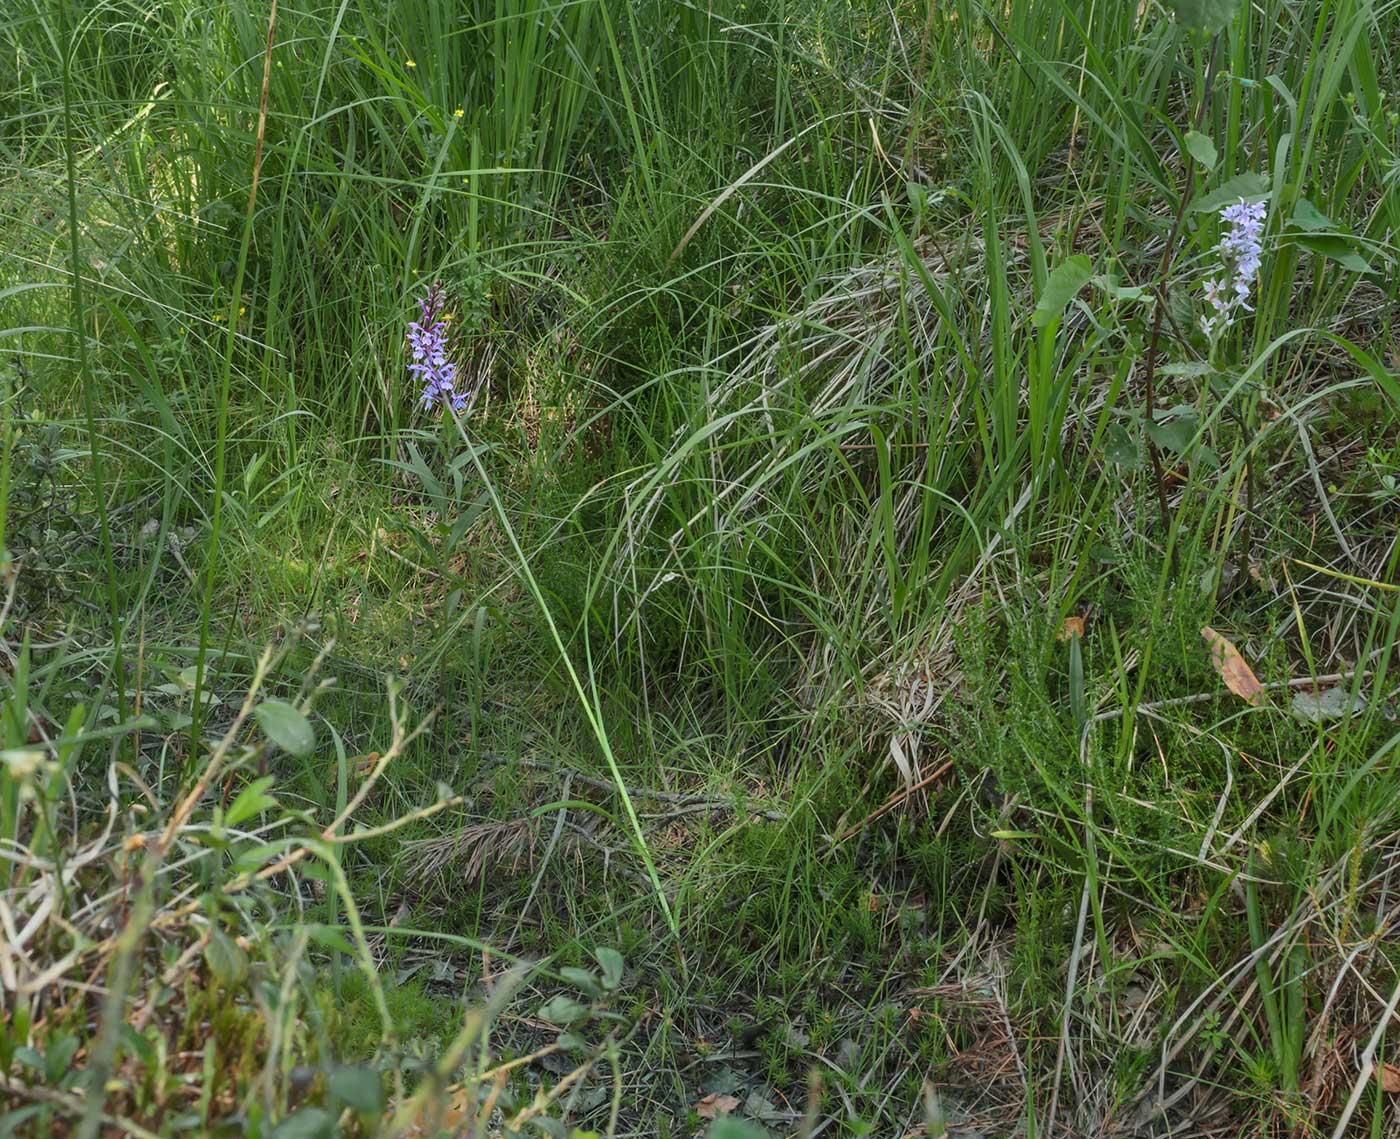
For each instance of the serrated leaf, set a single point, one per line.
(359, 1088)
(1239, 678)
(1065, 280)
(1200, 147)
(610, 960)
(225, 958)
(563, 1011)
(251, 801)
(1209, 16)
(286, 727)
(1334, 248)
(1248, 186)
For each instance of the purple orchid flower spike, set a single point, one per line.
(1241, 252)
(429, 349)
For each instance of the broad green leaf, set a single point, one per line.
(308, 1123)
(225, 958)
(1192, 369)
(1284, 93)
(11, 1120)
(59, 1056)
(1335, 703)
(563, 1011)
(1200, 147)
(1174, 429)
(138, 1045)
(359, 1088)
(1117, 292)
(1208, 16)
(255, 857)
(29, 1057)
(1334, 248)
(583, 980)
(727, 1127)
(1067, 278)
(611, 962)
(1247, 186)
(286, 727)
(251, 800)
(1308, 216)
(1121, 448)
(330, 937)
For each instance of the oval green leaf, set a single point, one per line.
(286, 727)
(1067, 278)
(1200, 147)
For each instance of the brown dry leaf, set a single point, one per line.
(714, 1105)
(1072, 627)
(1239, 678)
(1390, 1078)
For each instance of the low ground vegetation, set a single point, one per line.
(863, 601)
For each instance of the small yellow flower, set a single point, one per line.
(446, 316)
(458, 113)
(409, 63)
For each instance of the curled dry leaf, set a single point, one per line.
(714, 1105)
(1239, 678)
(1390, 1079)
(1072, 627)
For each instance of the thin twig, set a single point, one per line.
(890, 804)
